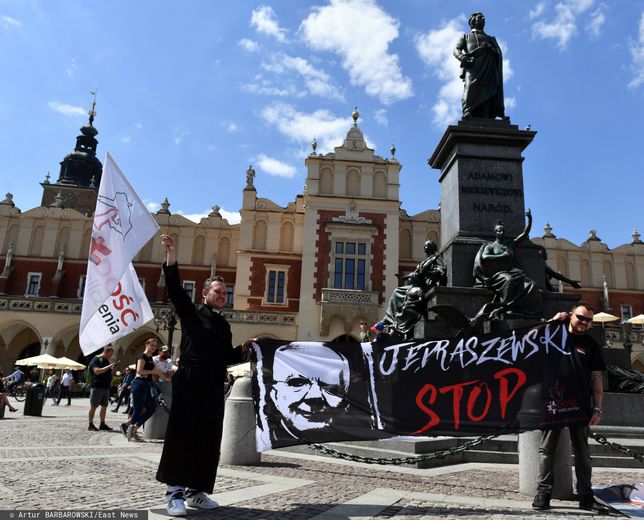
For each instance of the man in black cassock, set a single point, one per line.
(191, 449)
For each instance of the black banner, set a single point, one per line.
(512, 381)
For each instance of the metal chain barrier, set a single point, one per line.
(455, 450)
(405, 460)
(617, 447)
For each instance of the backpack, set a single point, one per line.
(89, 372)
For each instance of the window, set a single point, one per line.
(350, 262)
(275, 293)
(33, 284)
(627, 312)
(230, 295)
(81, 286)
(189, 287)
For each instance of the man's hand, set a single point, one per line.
(560, 316)
(596, 418)
(246, 345)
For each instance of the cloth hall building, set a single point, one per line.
(310, 271)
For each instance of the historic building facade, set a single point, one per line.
(311, 270)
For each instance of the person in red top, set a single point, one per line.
(588, 352)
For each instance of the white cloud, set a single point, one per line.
(249, 45)
(380, 117)
(138, 125)
(275, 167)
(537, 11)
(151, 206)
(637, 51)
(436, 50)
(328, 129)
(233, 217)
(180, 135)
(126, 140)
(8, 22)
(360, 32)
(317, 81)
(263, 19)
(510, 102)
(73, 67)
(596, 22)
(564, 24)
(232, 127)
(66, 110)
(264, 86)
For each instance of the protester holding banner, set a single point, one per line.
(191, 449)
(591, 364)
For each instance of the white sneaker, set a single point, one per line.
(177, 507)
(201, 501)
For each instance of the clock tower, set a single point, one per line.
(80, 174)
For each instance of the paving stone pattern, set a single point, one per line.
(53, 462)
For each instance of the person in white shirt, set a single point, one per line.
(51, 386)
(65, 387)
(163, 361)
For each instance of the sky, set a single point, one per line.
(189, 94)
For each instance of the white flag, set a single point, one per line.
(114, 302)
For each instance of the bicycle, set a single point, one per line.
(18, 392)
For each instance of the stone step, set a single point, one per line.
(502, 450)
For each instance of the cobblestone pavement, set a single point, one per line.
(53, 462)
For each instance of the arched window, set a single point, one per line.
(353, 183)
(61, 240)
(585, 273)
(87, 237)
(259, 235)
(37, 237)
(405, 244)
(198, 249)
(608, 271)
(380, 185)
(562, 265)
(12, 238)
(631, 280)
(326, 182)
(223, 254)
(286, 237)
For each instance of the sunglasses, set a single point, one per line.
(583, 319)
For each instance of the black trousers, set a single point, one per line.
(583, 463)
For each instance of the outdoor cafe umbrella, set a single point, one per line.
(637, 320)
(42, 359)
(65, 362)
(604, 317)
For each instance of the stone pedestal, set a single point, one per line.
(156, 425)
(529, 465)
(481, 183)
(238, 444)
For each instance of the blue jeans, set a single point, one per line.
(143, 405)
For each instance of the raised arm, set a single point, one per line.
(168, 244)
(526, 230)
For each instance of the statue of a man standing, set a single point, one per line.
(482, 64)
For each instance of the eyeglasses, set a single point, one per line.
(583, 319)
(303, 384)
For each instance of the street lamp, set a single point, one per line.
(166, 319)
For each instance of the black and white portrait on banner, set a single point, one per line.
(517, 380)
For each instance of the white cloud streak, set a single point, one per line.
(66, 110)
(380, 116)
(594, 26)
(317, 81)
(637, 52)
(264, 20)
(328, 129)
(249, 45)
(8, 22)
(435, 49)
(233, 217)
(564, 24)
(275, 167)
(360, 32)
